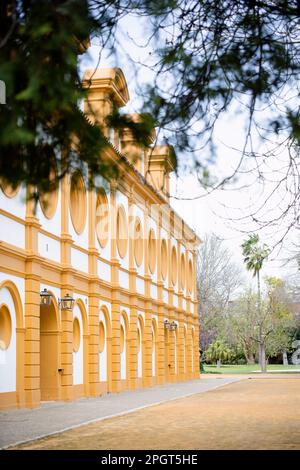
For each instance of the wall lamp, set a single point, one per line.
(46, 297)
(170, 326)
(66, 303)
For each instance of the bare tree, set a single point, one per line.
(218, 278)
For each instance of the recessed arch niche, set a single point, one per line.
(182, 271)
(78, 204)
(152, 250)
(138, 242)
(8, 190)
(122, 231)
(164, 259)
(102, 217)
(173, 266)
(5, 327)
(49, 200)
(190, 276)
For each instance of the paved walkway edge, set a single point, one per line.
(122, 413)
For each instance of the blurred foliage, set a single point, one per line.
(218, 352)
(207, 55)
(245, 326)
(218, 277)
(254, 254)
(41, 123)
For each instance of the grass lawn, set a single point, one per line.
(247, 369)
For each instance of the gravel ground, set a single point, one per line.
(256, 413)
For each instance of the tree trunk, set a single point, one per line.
(219, 363)
(261, 346)
(258, 292)
(250, 358)
(263, 365)
(285, 359)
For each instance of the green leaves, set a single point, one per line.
(206, 55)
(218, 351)
(254, 255)
(39, 64)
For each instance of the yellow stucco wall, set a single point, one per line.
(129, 286)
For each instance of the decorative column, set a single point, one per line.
(180, 347)
(180, 314)
(161, 373)
(93, 320)
(32, 306)
(196, 318)
(160, 355)
(115, 296)
(132, 380)
(171, 350)
(171, 290)
(147, 334)
(67, 287)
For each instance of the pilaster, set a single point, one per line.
(32, 306)
(94, 381)
(115, 345)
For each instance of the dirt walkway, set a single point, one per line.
(258, 413)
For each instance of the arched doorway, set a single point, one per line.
(80, 356)
(185, 350)
(154, 350)
(49, 353)
(140, 355)
(11, 346)
(176, 353)
(192, 350)
(167, 366)
(104, 350)
(124, 349)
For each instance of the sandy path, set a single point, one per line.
(258, 413)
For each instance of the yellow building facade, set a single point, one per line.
(121, 253)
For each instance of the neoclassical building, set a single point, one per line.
(97, 288)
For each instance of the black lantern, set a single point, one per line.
(46, 297)
(173, 326)
(66, 303)
(167, 324)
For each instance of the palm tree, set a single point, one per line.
(254, 256)
(217, 352)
